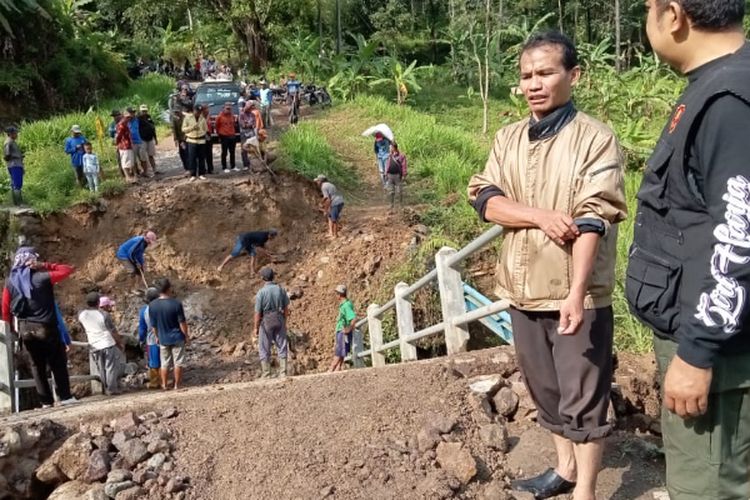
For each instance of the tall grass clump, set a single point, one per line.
(305, 150)
(49, 184)
(630, 334)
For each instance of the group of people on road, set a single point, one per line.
(194, 131)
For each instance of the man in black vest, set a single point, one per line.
(688, 275)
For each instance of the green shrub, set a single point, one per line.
(49, 183)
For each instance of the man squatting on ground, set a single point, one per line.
(689, 269)
(132, 254)
(271, 313)
(251, 242)
(554, 181)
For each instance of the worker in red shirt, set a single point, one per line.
(225, 129)
(29, 296)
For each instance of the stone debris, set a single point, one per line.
(486, 385)
(457, 461)
(128, 459)
(506, 402)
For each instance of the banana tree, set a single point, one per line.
(402, 78)
(16, 6)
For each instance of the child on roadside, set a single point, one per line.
(103, 340)
(91, 168)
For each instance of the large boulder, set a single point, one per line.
(456, 460)
(127, 421)
(112, 489)
(506, 402)
(72, 490)
(486, 385)
(98, 466)
(494, 436)
(134, 451)
(72, 459)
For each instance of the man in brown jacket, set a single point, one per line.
(554, 181)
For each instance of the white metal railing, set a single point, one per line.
(10, 384)
(455, 321)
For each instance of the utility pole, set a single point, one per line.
(338, 26)
(618, 37)
(320, 24)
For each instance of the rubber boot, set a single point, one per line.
(16, 197)
(265, 369)
(282, 368)
(153, 378)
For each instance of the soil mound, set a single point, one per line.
(197, 224)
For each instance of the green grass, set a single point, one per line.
(49, 184)
(307, 152)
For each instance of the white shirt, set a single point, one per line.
(98, 326)
(90, 164)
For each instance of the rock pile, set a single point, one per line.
(129, 458)
(22, 448)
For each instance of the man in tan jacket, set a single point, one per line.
(554, 181)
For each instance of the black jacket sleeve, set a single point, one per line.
(480, 204)
(720, 279)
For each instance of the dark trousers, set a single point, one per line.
(196, 163)
(183, 155)
(46, 350)
(208, 156)
(228, 145)
(568, 376)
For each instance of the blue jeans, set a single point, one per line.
(239, 248)
(16, 177)
(335, 213)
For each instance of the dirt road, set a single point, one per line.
(355, 435)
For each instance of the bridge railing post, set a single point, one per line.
(8, 392)
(375, 327)
(452, 301)
(357, 347)
(405, 323)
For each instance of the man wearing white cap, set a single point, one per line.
(103, 339)
(74, 148)
(333, 204)
(344, 328)
(132, 253)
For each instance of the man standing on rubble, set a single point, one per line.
(554, 181)
(271, 313)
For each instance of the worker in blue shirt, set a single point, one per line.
(64, 334)
(74, 148)
(132, 253)
(148, 341)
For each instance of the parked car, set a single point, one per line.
(215, 95)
